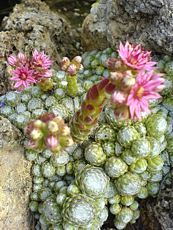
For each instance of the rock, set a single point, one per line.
(143, 21)
(163, 209)
(15, 181)
(8, 133)
(32, 25)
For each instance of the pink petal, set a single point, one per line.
(18, 84)
(138, 111)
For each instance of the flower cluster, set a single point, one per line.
(48, 131)
(71, 68)
(136, 81)
(26, 71)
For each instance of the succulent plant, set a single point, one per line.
(115, 167)
(79, 210)
(51, 211)
(127, 135)
(94, 154)
(141, 147)
(139, 166)
(121, 162)
(156, 125)
(128, 184)
(105, 133)
(125, 215)
(93, 181)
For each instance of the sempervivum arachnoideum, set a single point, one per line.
(122, 161)
(78, 211)
(93, 181)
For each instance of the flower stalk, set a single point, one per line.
(87, 117)
(71, 68)
(132, 84)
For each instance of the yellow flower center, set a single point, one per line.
(40, 62)
(140, 92)
(23, 76)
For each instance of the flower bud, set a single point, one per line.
(22, 58)
(12, 60)
(36, 134)
(77, 59)
(122, 113)
(70, 141)
(66, 141)
(9, 69)
(32, 144)
(59, 121)
(38, 124)
(53, 126)
(65, 62)
(113, 63)
(129, 79)
(72, 69)
(116, 76)
(51, 142)
(66, 131)
(119, 97)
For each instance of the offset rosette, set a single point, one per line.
(94, 154)
(79, 210)
(93, 181)
(128, 184)
(51, 212)
(115, 167)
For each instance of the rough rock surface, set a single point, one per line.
(163, 209)
(15, 180)
(33, 25)
(149, 22)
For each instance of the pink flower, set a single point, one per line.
(147, 86)
(136, 57)
(23, 77)
(41, 60)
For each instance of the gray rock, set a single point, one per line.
(32, 25)
(15, 181)
(8, 133)
(149, 22)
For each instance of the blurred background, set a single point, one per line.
(6, 6)
(75, 10)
